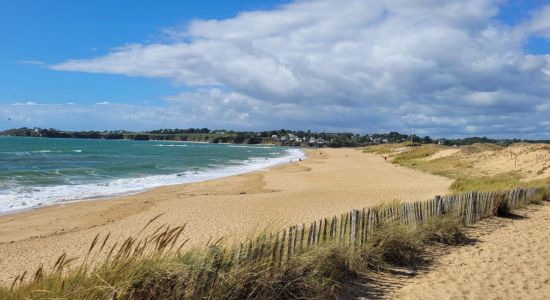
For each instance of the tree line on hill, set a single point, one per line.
(279, 137)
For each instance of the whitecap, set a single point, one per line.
(30, 196)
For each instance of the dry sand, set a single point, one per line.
(510, 260)
(531, 161)
(329, 183)
(443, 153)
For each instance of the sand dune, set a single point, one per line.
(443, 153)
(330, 182)
(512, 261)
(529, 161)
(532, 161)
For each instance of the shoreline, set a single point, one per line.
(54, 195)
(325, 184)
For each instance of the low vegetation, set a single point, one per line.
(157, 273)
(159, 266)
(501, 181)
(463, 165)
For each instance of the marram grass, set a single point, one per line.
(160, 266)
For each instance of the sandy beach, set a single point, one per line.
(510, 260)
(330, 181)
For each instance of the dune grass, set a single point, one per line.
(385, 148)
(159, 266)
(156, 267)
(497, 182)
(420, 152)
(458, 167)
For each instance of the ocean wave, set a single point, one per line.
(169, 145)
(251, 146)
(23, 197)
(22, 153)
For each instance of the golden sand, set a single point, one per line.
(512, 261)
(331, 181)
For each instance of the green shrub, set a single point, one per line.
(540, 196)
(446, 230)
(394, 244)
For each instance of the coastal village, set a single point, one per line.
(282, 137)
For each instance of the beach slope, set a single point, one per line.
(330, 182)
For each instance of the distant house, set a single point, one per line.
(284, 138)
(275, 137)
(441, 142)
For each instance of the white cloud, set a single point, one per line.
(26, 103)
(31, 62)
(540, 23)
(447, 67)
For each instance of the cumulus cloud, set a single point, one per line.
(443, 67)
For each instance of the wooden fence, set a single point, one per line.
(354, 228)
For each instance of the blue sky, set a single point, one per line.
(51, 32)
(446, 68)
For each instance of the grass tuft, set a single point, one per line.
(540, 196)
(396, 245)
(446, 230)
(157, 266)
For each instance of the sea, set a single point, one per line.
(37, 172)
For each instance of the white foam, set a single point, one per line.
(170, 145)
(24, 197)
(251, 146)
(21, 153)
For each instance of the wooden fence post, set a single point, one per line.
(282, 247)
(289, 247)
(302, 236)
(325, 230)
(275, 248)
(352, 231)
